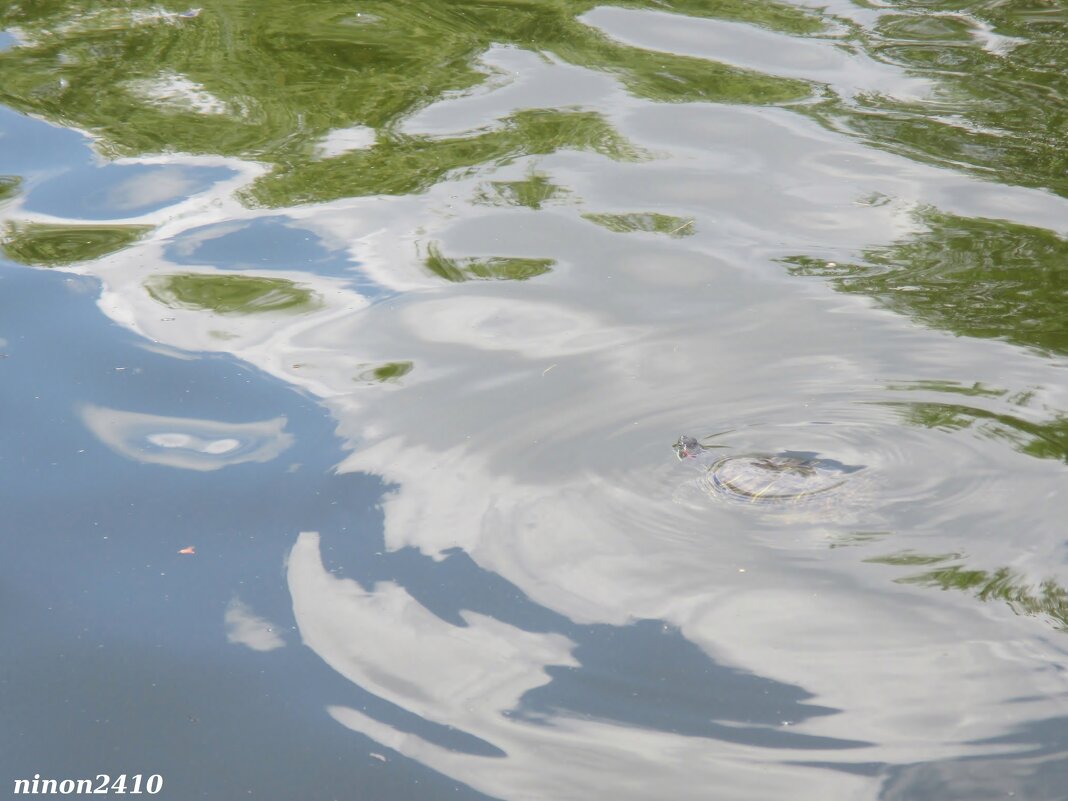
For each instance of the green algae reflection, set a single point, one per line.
(229, 294)
(47, 245)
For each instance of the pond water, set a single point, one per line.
(344, 347)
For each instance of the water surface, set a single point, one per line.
(392, 313)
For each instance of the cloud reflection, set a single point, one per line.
(186, 442)
(552, 470)
(472, 678)
(155, 187)
(247, 628)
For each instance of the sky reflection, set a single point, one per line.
(504, 573)
(186, 443)
(556, 474)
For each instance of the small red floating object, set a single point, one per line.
(189, 550)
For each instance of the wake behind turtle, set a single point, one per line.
(786, 477)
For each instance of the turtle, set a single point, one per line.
(785, 477)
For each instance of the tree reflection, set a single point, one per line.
(269, 80)
(229, 294)
(1046, 440)
(1002, 103)
(649, 221)
(1047, 600)
(975, 277)
(9, 186)
(533, 193)
(407, 164)
(471, 269)
(47, 245)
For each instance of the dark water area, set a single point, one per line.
(343, 348)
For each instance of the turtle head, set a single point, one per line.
(687, 447)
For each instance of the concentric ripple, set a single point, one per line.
(869, 462)
(777, 478)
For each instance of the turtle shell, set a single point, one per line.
(783, 478)
(773, 478)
